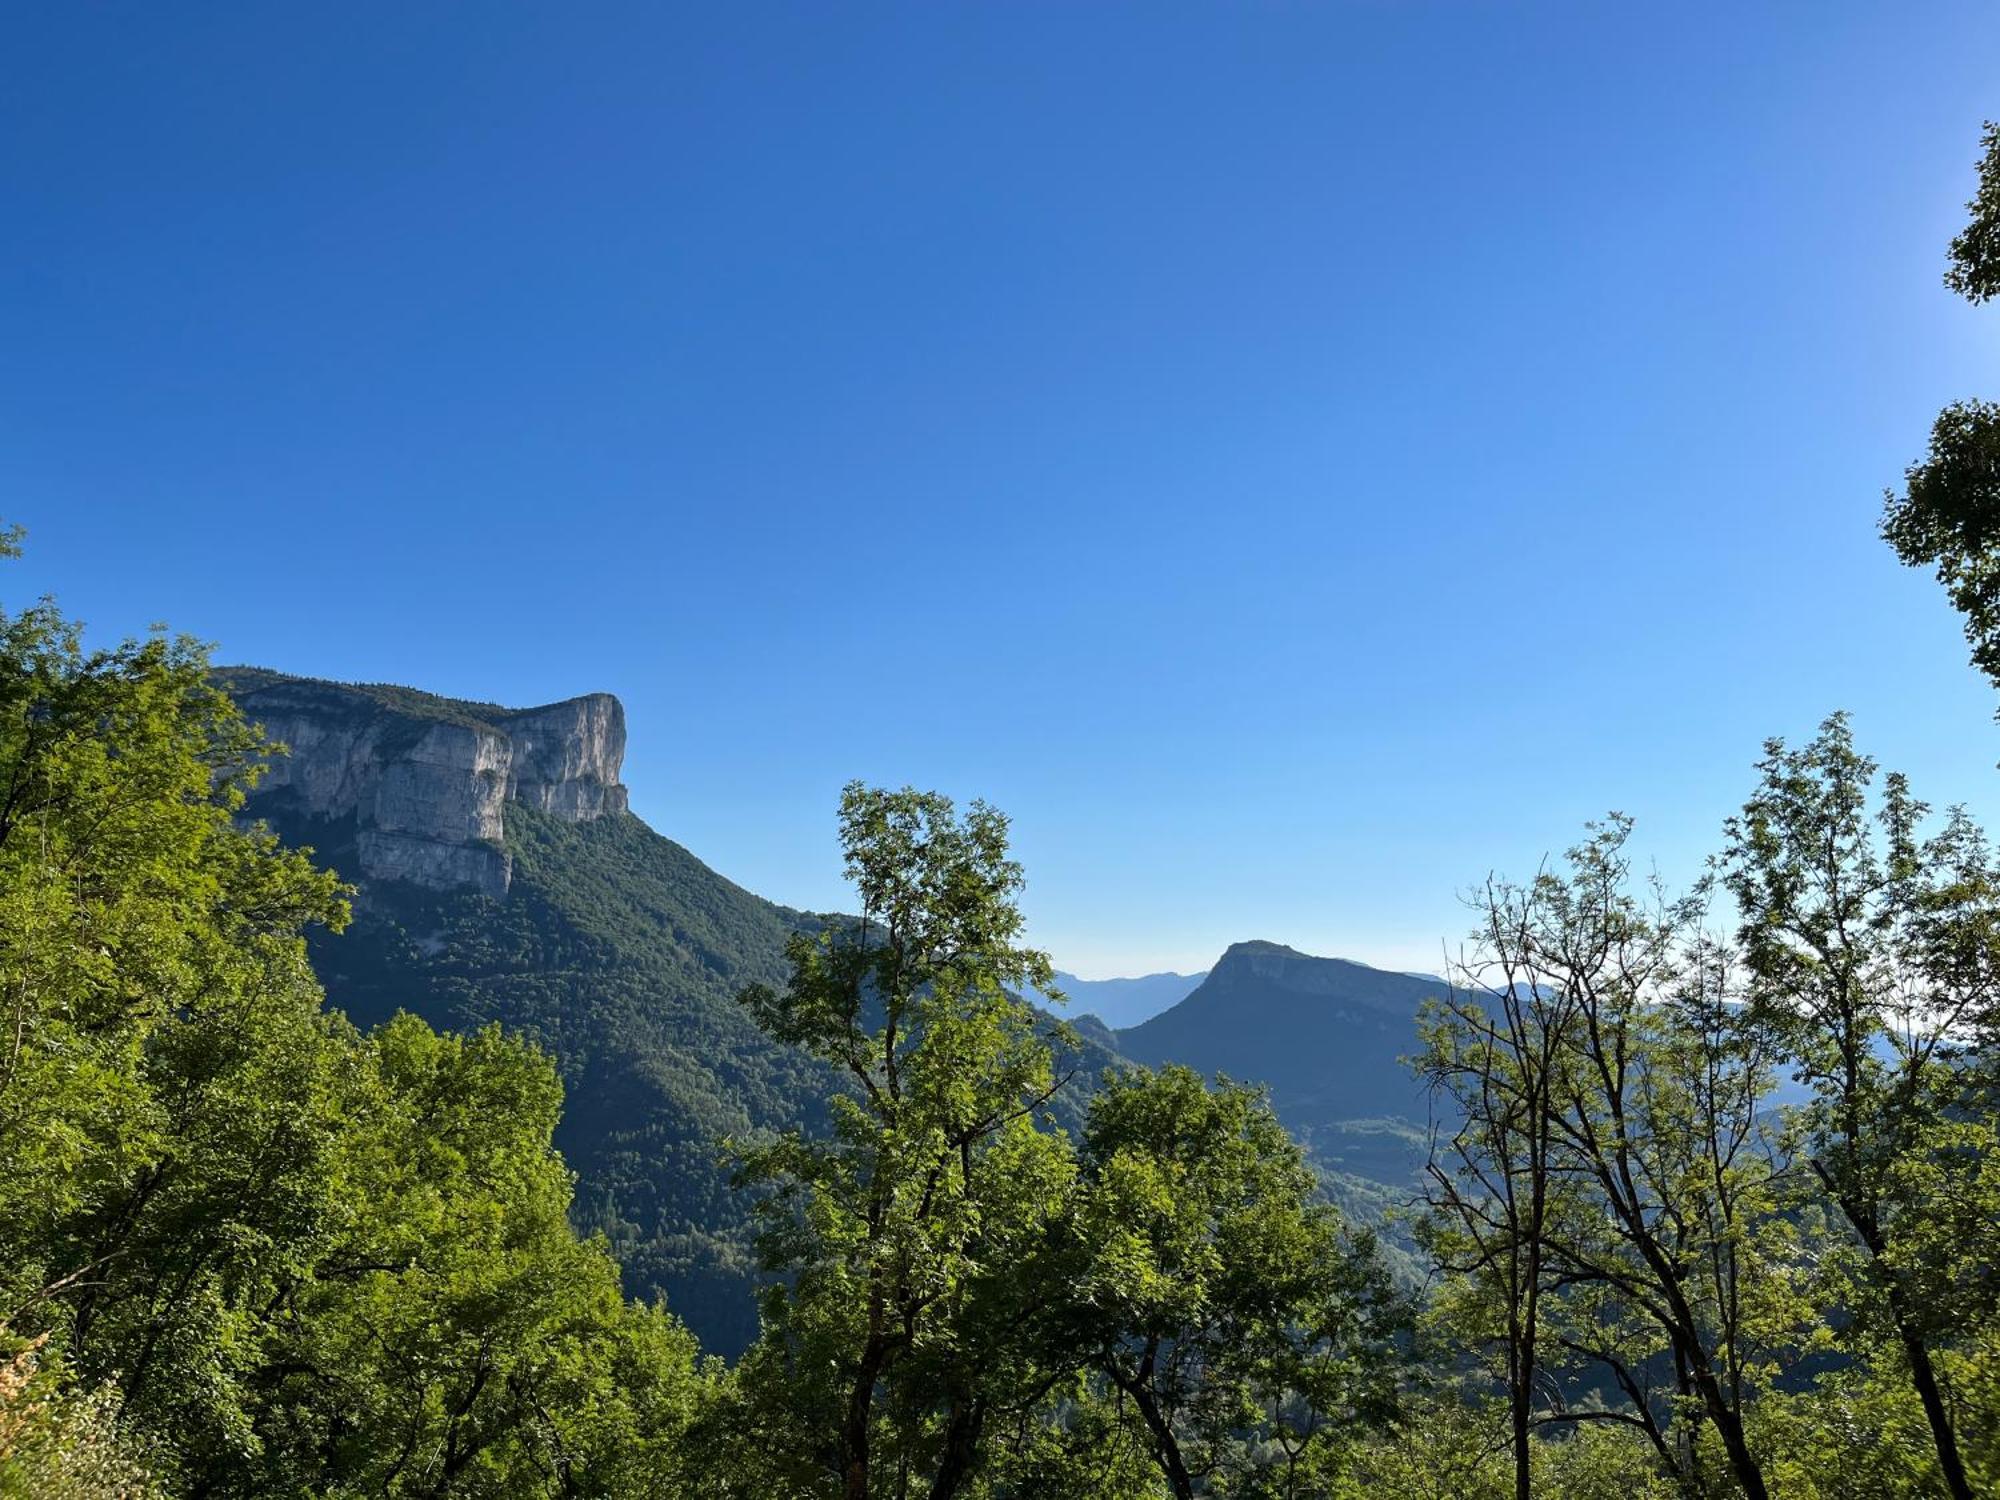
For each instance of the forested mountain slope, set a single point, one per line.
(621, 954)
(501, 880)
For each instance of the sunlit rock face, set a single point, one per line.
(567, 757)
(421, 782)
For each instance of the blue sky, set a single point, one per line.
(1294, 457)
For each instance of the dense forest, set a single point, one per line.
(1711, 1208)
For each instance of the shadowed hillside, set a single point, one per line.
(1328, 1037)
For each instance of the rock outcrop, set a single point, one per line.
(421, 782)
(566, 757)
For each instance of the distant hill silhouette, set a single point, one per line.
(1324, 1033)
(1125, 1002)
(1327, 1036)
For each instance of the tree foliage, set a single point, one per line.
(889, 1341)
(1948, 516)
(1252, 1335)
(1728, 1277)
(1873, 952)
(59, 1441)
(1603, 1081)
(279, 1255)
(1974, 270)
(970, 1301)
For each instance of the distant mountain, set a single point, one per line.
(1327, 1036)
(1324, 1033)
(1125, 1002)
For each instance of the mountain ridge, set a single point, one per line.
(1125, 1001)
(1259, 988)
(423, 780)
(1330, 1038)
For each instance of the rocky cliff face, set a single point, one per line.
(566, 757)
(421, 781)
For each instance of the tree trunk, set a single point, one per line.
(1924, 1377)
(1741, 1462)
(1529, 1288)
(1520, 1401)
(961, 1448)
(861, 1404)
(1693, 1359)
(1166, 1447)
(1923, 1374)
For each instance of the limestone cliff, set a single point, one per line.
(567, 755)
(420, 782)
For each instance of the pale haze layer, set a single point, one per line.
(1293, 459)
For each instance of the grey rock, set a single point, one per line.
(567, 757)
(423, 781)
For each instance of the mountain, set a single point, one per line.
(501, 878)
(1329, 1038)
(419, 782)
(1125, 1002)
(1325, 1033)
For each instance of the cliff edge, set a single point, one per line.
(421, 781)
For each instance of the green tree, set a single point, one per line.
(166, 1096)
(1493, 1053)
(1874, 956)
(1445, 1448)
(285, 1258)
(455, 1336)
(1858, 1429)
(889, 1345)
(1948, 516)
(1662, 1239)
(1948, 519)
(1082, 1444)
(58, 1442)
(1253, 1334)
(1974, 272)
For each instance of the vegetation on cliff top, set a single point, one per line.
(406, 702)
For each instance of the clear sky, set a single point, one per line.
(1293, 457)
